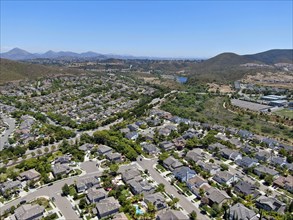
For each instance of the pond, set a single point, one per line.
(181, 79)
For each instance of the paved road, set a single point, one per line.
(183, 201)
(53, 191)
(11, 123)
(29, 152)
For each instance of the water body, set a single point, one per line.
(181, 79)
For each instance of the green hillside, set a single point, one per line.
(13, 70)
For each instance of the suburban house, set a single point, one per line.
(216, 146)
(60, 169)
(216, 196)
(270, 204)
(239, 211)
(194, 155)
(95, 195)
(30, 175)
(29, 212)
(262, 155)
(171, 214)
(230, 154)
(247, 162)
(130, 174)
(157, 199)
(245, 134)
(103, 149)
(107, 207)
(280, 161)
(86, 147)
(63, 159)
(133, 127)
(196, 183)
(245, 188)
(84, 184)
(184, 173)
(150, 148)
(10, 186)
(114, 157)
(171, 163)
(224, 177)
(285, 182)
(167, 145)
(138, 187)
(263, 170)
(131, 135)
(208, 167)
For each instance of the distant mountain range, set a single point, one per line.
(225, 67)
(19, 54)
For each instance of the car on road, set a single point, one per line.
(22, 202)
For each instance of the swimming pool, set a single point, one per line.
(138, 210)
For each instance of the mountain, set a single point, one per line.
(14, 70)
(227, 67)
(17, 54)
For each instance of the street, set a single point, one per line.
(183, 201)
(11, 123)
(53, 191)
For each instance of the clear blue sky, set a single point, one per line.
(147, 28)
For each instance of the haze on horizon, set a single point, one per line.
(159, 29)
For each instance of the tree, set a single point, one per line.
(114, 168)
(46, 150)
(39, 151)
(65, 190)
(193, 215)
(82, 203)
(160, 188)
(224, 167)
(269, 179)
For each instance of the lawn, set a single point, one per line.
(288, 113)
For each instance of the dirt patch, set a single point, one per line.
(279, 79)
(213, 87)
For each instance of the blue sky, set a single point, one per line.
(147, 28)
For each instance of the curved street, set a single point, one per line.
(11, 126)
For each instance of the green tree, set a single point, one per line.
(65, 190)
(193, 215)
(160, 188)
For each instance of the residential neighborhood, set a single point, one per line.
(102, 147)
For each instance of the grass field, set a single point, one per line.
(210, 109)
(288, 113)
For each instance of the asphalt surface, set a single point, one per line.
(183, 201)
(53, 191)
(7, 132)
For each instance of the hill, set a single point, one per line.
(273, 56)
(13, 70)
(227, 67)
